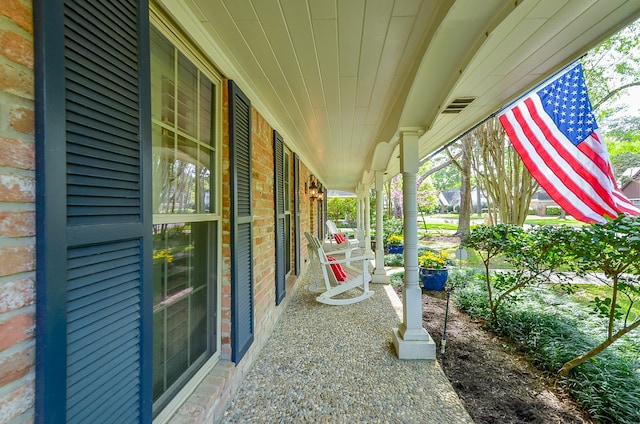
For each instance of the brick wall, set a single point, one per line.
(17, 212)
(263, 219)
(225, 318)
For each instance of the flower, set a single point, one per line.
(394, 239)
(162, 255)
(433, 260)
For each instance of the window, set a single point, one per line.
(186, 223)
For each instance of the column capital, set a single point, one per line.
(409, 160)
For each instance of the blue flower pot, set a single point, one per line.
(396, 248)
(433, 279)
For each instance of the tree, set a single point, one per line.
(509, 185)
(613, 249)
(341, 208)
(533, 254)
(427, 198)
(612, 67)
(464, 167)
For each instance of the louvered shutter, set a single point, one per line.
(93, 347)
(296, 206)
(278, 166)
(242, 312)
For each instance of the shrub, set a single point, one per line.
(395, 259)
(553, 211)
(552, 329)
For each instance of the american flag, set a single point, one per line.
(556, 135)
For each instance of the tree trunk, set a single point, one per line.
(464, 214)
(568, 366)
(508, 184)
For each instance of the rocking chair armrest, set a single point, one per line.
(348, 260)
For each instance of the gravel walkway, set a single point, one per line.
(336, 364)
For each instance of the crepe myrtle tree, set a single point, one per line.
(610, 251)
(534, 256)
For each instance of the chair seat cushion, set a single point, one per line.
(339, 238)
(337, 269)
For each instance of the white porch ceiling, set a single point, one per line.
(339, 79)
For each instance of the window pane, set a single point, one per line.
(187, 96)
(205, 182)
(180, 299)
(186, 176)
(162, 79)
(164, 181)
(206, 112)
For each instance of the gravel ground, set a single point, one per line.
(336, 364)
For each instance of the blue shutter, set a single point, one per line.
(242, 313)
(296, 205)
(93, 150)
(281, 256)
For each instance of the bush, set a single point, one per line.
(397, 279)
(395, 259)
(553, 211)
(392, 227)
(552, 329)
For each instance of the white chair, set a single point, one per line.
(332, 230)
(356, 269)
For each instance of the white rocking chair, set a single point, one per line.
(357, 276)
(332, 230)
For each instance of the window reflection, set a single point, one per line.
(180, 294)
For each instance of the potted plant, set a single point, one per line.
(433, 270)
(394, 244)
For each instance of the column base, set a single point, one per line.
(413, 349)
(380, 278)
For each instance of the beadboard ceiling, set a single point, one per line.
(341, 79)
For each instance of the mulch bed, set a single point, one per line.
(495, 381)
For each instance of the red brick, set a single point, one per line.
(16, 294)
(16, 48)
(17, 402)
(16, 259)
(16, 329)
(16, 81)
(18, 13)
(17, 223)
(16, 365)
(22, 119)
(17, 188)
(17, 154)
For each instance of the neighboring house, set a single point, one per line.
(450, 199)
(541, 201)
(631, 188)
(155, 165)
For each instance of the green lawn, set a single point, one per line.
(585, 293)
(552, 220)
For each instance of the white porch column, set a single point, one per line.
(411, 340)
(367, 221)
(379, 275)
(360, 212)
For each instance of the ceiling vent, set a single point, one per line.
(457, 105)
